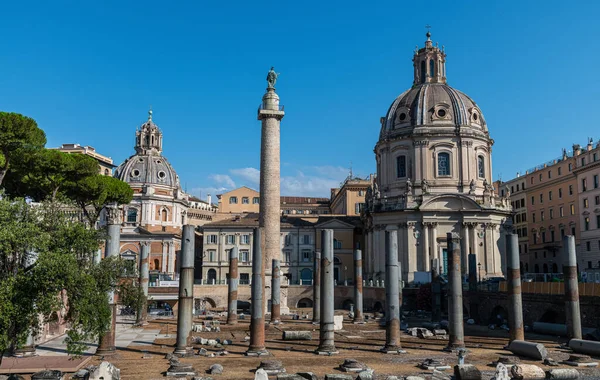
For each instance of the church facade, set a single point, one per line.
(434, 176)
(159, 207)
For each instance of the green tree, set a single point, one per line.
(47, 267)
(92, 193)
(19, 136)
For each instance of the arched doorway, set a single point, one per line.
(554, 268)
(498, 315)
(545, 268)
(306, 277)
(305, 302)
(551, 316)
(346, 304)
(212, 276)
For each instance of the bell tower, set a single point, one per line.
(429, 63)
(148, 139)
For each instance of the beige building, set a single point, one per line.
(434, 176)
(300, 239)
(516, 190)
(349, 199)
(105, 163)
(201, 212)
(587, 172)
(246, 200)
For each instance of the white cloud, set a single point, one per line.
(248, 174)
(223, 179)
(313, 181)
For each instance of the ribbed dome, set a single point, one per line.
(147, 169)
(433, 104)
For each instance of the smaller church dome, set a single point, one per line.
(148, 166)
(147, 169)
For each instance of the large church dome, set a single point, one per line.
(148, 166)
(431, 102)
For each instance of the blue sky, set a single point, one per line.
(88, 72)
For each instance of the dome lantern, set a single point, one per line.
(429, 63)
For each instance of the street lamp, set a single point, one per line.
(479, 265)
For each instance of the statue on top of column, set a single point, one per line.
(272, 78)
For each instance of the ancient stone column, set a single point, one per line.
(270, 114)
(392, 293)
(186, 291)
(515, 303)
(358, 287)
(436, 292)
(455, 301)
(142, 313)
(233, 287)
(571, 288)
(317, 288)
(326, 333)
(106, 346)
(257, 323)
(276, 293)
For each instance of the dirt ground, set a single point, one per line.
(360, 342)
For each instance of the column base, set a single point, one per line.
(257, 352)
(276, 322)
(453, 347)
(106, 351)
(327, 350)
(359, 322)
(392, 350)
(184, 352)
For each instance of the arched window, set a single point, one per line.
(106, 171)
(481, 166)
(148, 140)
(152, 139)
(132, 215)
(537, 268)
(156, 264)
(423, 71)
(443, 162)
(212, 276)
(431, 68)
(163, 215)
(401, 166)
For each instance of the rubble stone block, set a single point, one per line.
(297, 335)
(562, 374)
(337, 376)
(47, 375)
(527, 371)
(215, 369)
(106, 371)
(338, 322)
(528, 349)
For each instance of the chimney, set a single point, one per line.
(209, 199)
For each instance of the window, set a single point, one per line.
(586, 223)
(573, 231)
(541, 216)
(588, 247)
(305, 239)
(431, 67)
(443, 164)
(596, 181)
(306, 255)
(361, 193)
(212, 255)
(582, 161)
(517, 187)
(572, 209)
(163, 215)
(230, 239)
(245, 200)
(255, 200)
(551, 214)
(559, 170)
(552, 237)
(540, 177)
(337, 244)
(245, 255)
(523, 202)
(570, 166)
(570, 189)
(559, 193)
(595, 157)
(535, 242)
(541, 198)
(532, 200)
(562, 233)
(211, 239)
(597, 221)
(597, 200)
(132, 215)
(423, 71)
(583, 184)
(287, 256)
(524, 218)
(561, 211)
(400, 167)
(550, 195)
(585, 202)
(245, 239)
(531, 180)
(549, 173)
(358, 207)
(232, 200)
(533, 216)
(287, 240)
(481, 167)
(244, 278)
(589, 265)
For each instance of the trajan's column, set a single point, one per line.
(271, 113)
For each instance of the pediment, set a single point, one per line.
(334, 224)
(450, 202)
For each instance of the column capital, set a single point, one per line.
(113, 214)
